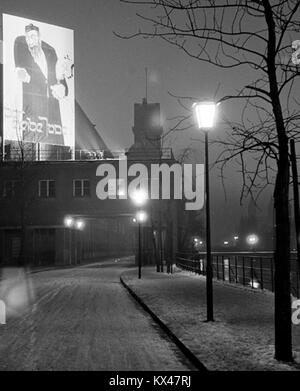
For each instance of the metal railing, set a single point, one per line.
(248, 269)
(150, 154)
(39, 152)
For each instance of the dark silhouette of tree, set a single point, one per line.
(253, 36)
(21, 156)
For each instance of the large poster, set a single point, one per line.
(38, 77)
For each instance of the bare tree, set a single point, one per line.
(22, 154)
(254, 35)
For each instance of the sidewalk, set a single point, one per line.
(32, 269)
(242, 336)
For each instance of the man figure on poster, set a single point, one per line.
(36, 65)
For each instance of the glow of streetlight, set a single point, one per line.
(255, 284)
(68, 222)
(252, 239)
(141, 216)
(79, 224)
(205, 114)
(139, 197)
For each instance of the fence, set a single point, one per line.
(41, 152)
(37, 152)
(248, 269)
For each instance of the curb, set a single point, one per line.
(186, 351)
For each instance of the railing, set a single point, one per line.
(39, 152)
(248, 269)
(150, 154)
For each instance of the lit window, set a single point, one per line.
(81, 188)
(47, 188)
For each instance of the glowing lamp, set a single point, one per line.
(205, 114)
(68, 222)
(139, 197)
(80, 224)
(141, 216)
(252, 239)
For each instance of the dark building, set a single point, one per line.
(148, 132)
(39, 196)
(52, 212)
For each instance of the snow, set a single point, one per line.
(80, 319)
(242, 336)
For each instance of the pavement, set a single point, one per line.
(240, 339)
(80, 319)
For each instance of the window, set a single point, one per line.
(47, 188)
(11, 188)
(81, 188)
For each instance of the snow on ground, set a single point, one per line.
(242, 336)
(80, 319)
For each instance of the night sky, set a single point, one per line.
(110, 78)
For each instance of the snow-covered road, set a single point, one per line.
(80, 319)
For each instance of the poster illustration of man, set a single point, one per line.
(38, 83)
(36, 63)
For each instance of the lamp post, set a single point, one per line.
(78, 225)
(205, 114)
(69, 222)
(139, 197)
(252, 240)
(235, 240)
(141, 216)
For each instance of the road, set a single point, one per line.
(80, 319)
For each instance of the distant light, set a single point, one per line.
(255, 284)
(252, 239)
(201, 242)
(236, 238)
(121, 192)
(68, 222)
(195, 240)
(134, 220)
(139, 197)
(79, 224)
(141, 216)
(226, 242)
(205, 113)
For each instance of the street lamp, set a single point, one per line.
(78, 225)
(141, 217)
(69, 223)
(252, 240)
(205, 114)
(139, 197)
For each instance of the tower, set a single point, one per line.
(147, 130)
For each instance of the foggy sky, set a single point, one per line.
(110, 78)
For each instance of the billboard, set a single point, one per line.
(38, 82)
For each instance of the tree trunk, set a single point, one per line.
(283, 331)
(296, 199)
